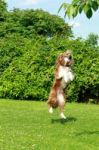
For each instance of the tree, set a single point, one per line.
(2, 10)
(92, 40)
(43, 23)
(30, 22)
(78, 6)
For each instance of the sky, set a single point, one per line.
(82, 26)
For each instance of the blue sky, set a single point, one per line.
(81, 25)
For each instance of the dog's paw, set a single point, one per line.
(62, 116)
(51, 110)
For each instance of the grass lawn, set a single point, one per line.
(27, 125)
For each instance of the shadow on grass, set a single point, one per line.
(87, 133)
(63, 121)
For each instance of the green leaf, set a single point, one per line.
(70, 11)
(65, 14)
(98, 2)
(89, 13)
(60, 7)
(75, 2)
(81, 7)
(64, 6)
(87, 8)
(75, 12)
(89, 2)
(94, 5)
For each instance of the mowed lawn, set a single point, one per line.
(27, 125)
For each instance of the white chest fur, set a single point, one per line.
(66, 74)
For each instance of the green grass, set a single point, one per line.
(27, 125)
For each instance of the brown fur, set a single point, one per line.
(52, 101)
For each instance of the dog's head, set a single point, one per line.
(65, 59)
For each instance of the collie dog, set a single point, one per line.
(63, 76)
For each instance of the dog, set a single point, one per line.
(63, 76)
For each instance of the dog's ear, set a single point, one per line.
(60, 59)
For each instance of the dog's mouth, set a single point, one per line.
(68, 64)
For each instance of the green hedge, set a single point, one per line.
(30, 73)
(30, 41)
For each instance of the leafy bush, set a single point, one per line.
(28, 50)
(30, 75)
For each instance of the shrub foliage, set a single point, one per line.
(30, 41)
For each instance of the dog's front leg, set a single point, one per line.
(50, 109)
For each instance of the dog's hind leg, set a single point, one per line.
(62, 112)
(61, 100)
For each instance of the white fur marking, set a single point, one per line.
(66, 74)
(61, 72)
(62, 116)
(60, 98)
(50, 110)
(66, 59)
(71, 76)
